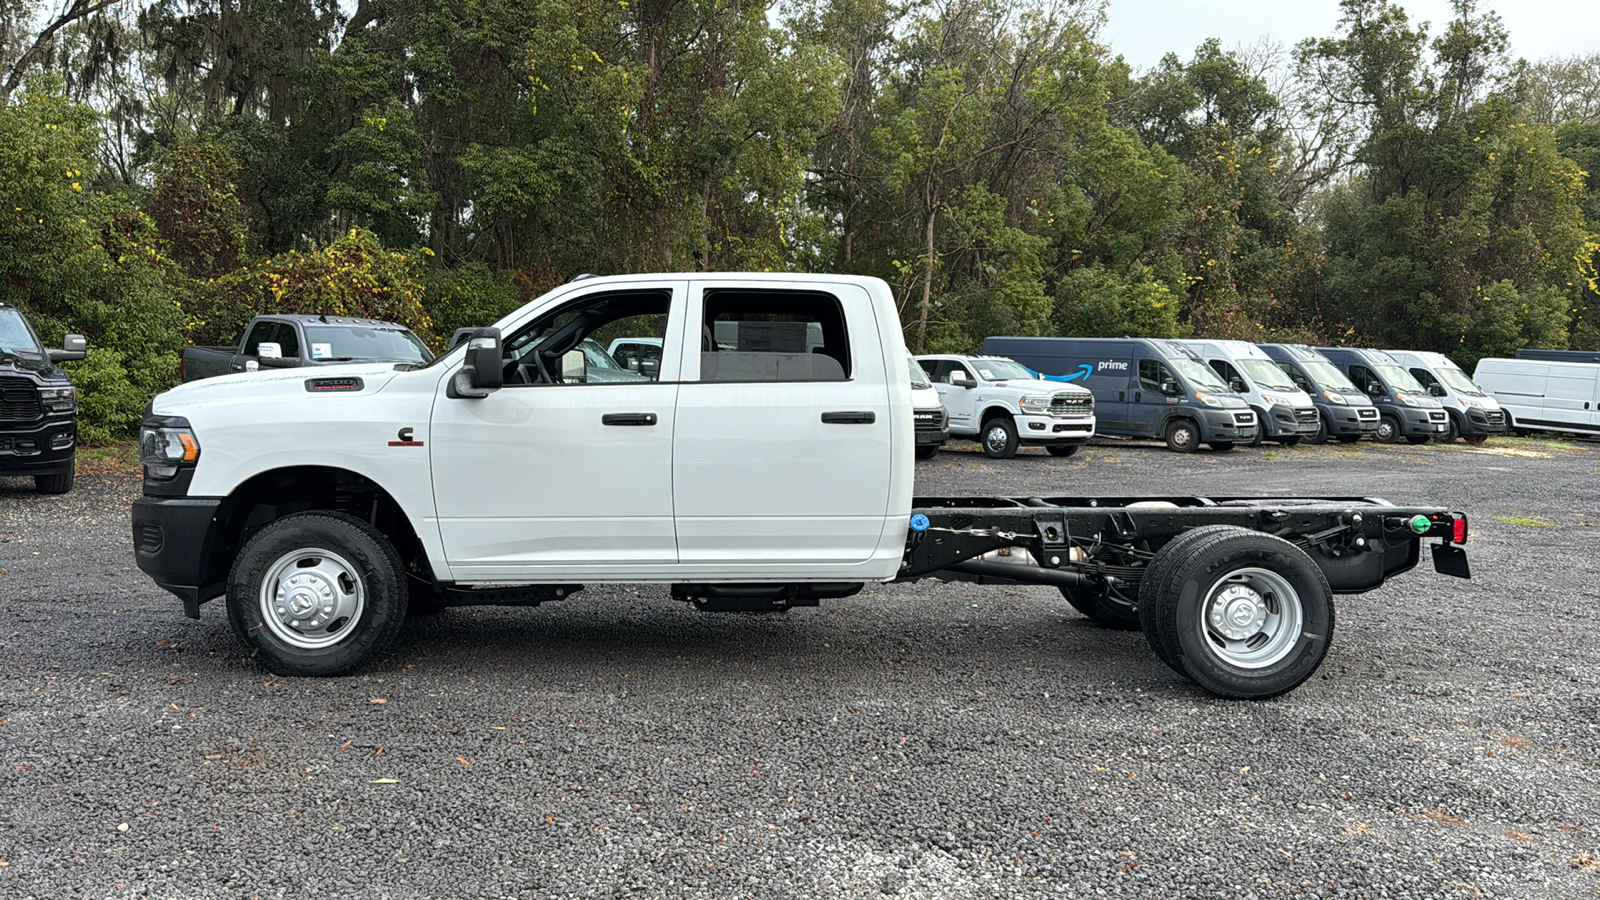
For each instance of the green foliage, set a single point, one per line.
(195, 207)
(471, 296)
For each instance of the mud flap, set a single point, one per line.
(1448, 559)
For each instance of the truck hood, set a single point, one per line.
(246, 387)
(30, 364)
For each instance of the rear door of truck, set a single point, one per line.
(782, 451)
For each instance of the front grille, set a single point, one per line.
(1306, 415)
(19, 400)
(1071, 404)
(929, 419)
(1245, 418)
(1495, 416)
(1437, 415)
(1366, 412)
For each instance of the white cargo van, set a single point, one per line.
(1544, 396)
(1474, 415)
(1285, 412)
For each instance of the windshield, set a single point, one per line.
(1197, 373)
(1326, 376)
(15, 337)
(919, 378)
(1458, 381)
(344, 343)
(1399, 379)
(1266, 374)
(1001, 370)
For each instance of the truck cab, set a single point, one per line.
(1285, 412)
(1345, 413)
(38, 405)
(1474, 415)
(1004, 406)
(1143, 387)
(1405, 408)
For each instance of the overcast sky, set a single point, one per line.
(1144, 30)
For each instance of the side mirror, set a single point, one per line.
(1170, 388)
(1375, 389)
(73, 346)
(574, 367)
(959, 379)
(269, 350)
(1436, 389)
(1236, 385)
(481, 375)
(457, 337)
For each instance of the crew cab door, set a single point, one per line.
(563, 472)
(959, 399)
(782, 453)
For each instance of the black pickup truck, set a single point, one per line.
(38, 405)
(290, 341)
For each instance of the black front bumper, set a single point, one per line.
(1344, 419)
(34, 449)
(174, 541)
(1479, 422)
(1225, 425)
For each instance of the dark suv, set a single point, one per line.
(38, 405)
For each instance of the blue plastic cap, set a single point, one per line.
(919, 522)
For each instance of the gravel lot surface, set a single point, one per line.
(920, 740)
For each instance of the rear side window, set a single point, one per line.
(773, 335)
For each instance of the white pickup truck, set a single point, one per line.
(755, 470)
(1003, 405)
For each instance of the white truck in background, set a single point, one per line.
(1004, 406)
(327, 505)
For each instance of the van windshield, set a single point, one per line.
(1399, 379)
(1266, 374)
(15, 337)
(1458, 381)
(1326, 376)
(919, 378)
(1197, 373)
(1001, 370)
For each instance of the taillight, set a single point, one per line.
(1458, 529)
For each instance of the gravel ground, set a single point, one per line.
(920, 740)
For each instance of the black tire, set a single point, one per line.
(1062, 450)
(1243, 615)
(1290, 441)
(1388, 429)
(344, 566)
(1320, 436)
(1416, 439)
(999, 438)
(1512, 429)
(1261, 429)
(1222, 446)
(927, 451)
(1476, 440)
(1451, 431)
(1102, 609)
(59, 483)
(1182, 436)
(1348, 438)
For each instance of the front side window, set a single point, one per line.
(260, 333)
(15, 336)
(1153, 376)
(773, 335)
(1002, 370)
(1362, 378)
(567, 345)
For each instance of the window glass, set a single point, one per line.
(1199, 374)
(287, 340)
(261, 331)
(1399, 379)
(1362, 377)
(345, 343)
(14, 334)
(1266, 374)
(919, 378)
(639, 356)
(1152, 374)
(773, 335)
(568, 345)
(1298, 379)
(1327, 375)
(1458, 381)
(1002, 370)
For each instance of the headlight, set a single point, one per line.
(1409, 400)
(1337, 399)
(167, 444)
(59, 399)
(1035, 404)
(1209, 400)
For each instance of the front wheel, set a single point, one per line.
(1182, 436)
(927, 451)
(1061, 450)
(1476, 440)
(1242, 614)
(1388, 429)
(1000, 438)
(1451, 432)
(1290, 441)
(1416, 439)
(1223, 446)
(317, 593)
(1348, 438)
(59, 483)
(1320, 436)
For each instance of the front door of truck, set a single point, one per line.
(783, 453)
(565, 472)
(957, 386)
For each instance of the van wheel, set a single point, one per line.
(1223, 446)
(1348, 438)
(59, 483)
(1102, 609)
(1000, 438)
(1290, 441)
(1416, 439)
(1182, 436)
(1061, 450)
(1261, 430)
(1511, 426)
(1320, 436)
(928, 451)
(317, 593)
(1476, 440)
(1243, 615)
(1451, 431)
(1388, 429)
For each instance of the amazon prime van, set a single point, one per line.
(1474, 415)
(1346, 413)
(1143, 387)
(1538, 395)
(1285, 412)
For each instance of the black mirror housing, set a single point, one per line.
(482, 375)
(73, 346)
(1236, 385)
(1376, 389)
(1436, 389)
(1170, 388)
